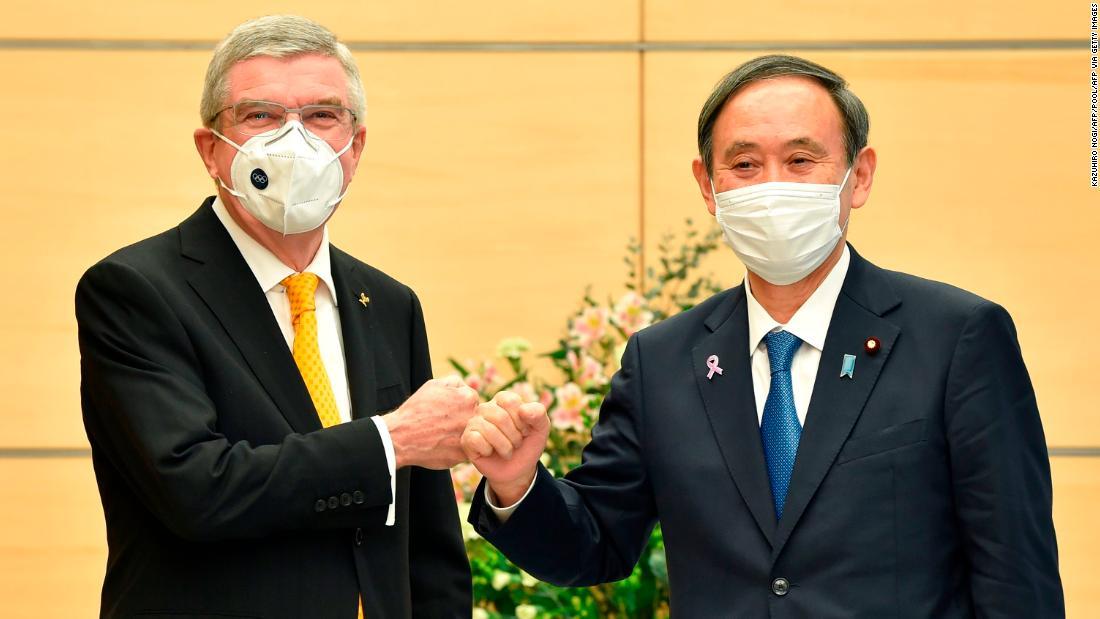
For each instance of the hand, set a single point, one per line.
(504, 441)
(426, 430)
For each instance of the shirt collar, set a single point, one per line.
(811, 321)
(269, 270)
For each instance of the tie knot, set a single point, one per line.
(781, 348)
(301, 289)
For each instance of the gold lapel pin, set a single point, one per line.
(364, 299)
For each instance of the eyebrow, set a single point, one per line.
(329, 101)
(809, 144)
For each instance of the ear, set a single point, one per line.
(357, 144)
(863, 172)
(703, 178)
(205, 140)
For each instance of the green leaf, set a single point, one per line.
(458, 367)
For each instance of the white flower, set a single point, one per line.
(480, 613)
(527, 580)
(468, 531)
(501, 579)
(526, 611)
(512, 347)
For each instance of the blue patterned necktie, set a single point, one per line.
(779, 428)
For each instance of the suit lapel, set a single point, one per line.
(356, 327)
(837, 403)
(731, 405)
(229, 289)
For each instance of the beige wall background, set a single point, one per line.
(514, 147)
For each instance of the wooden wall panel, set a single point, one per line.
(405, 20)
(53, 550)
(497, 185)
(1076, 486)
(982, 182)
(862, 20)
(110, 160)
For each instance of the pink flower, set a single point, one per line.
(567, 415)
(590, 326)
(591, 372)
(483, 376)
(630, 314)
(489, 372)
(588, 370)
(525, 391)
(564, 419)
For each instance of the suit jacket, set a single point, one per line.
(921, 486)
(222, 494)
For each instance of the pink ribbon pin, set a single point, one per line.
(712, 365)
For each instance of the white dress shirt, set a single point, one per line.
(809, 322)
(270, 272)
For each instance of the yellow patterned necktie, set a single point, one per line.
(302, 289)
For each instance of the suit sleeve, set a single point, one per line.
(592, 526)
(438, 566)
(1001, 473)
(147, 413)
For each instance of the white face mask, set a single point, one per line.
(781, 231)
(289, 179)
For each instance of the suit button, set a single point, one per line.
(781, 586)
(345, 499)
(358, 497)
(333, 502)
(319, 506)
(359, 537)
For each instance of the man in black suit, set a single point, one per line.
(237, 371)
(827, 440)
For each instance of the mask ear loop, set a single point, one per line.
(334, 158)
(231, 191)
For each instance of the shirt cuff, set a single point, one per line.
(504, 513)
(391, 462)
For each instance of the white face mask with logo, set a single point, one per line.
(781, 231)
(290, 179)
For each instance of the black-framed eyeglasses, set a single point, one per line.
(331, 122)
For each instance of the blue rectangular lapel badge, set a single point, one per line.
(849, 367)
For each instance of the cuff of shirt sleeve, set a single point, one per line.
(391, 462)
(504, 513)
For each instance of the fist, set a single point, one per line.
(426, 431)
(504, 440)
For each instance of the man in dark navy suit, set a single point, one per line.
(829, 439)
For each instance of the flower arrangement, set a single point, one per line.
(584, 360)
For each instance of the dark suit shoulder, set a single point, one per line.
(934, 298)
(154, 258)
(148, 256)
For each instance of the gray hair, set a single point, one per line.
(278, 36)
(853, 114)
